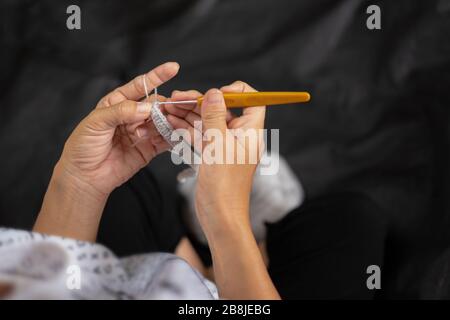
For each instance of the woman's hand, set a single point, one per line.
(114, 142)
(106, 149)
(223, 189)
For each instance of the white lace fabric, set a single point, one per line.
(40, 267)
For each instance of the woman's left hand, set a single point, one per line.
(113, 142)
(106, 149)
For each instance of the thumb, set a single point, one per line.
(214, 111)
(125, 112)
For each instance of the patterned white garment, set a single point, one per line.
(272, 197)
(48, 267)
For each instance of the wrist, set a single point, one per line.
(71, 207)
(225, 222)
(72, 182)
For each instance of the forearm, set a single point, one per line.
(239, 269)
(70, 208)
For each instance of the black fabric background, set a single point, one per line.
(377, 123)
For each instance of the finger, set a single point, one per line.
(195, 135)
(178, 123)
(135, 89)
(189, 117)
(148, 133)
(131, 128)
(189, 111)
(143, 131)
(160, 99)
(230, 116)
(177, 110)
(192, 118)
(156, 137)
(214, 111)
(146, 130)
(181, 110)
(145, 147)
(161, 146)
(185, 95)
(157, 140)
(124, 113)
(239, 86)
(152, 98)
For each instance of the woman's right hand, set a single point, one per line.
(223, 191)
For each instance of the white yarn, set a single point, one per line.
(166, 130)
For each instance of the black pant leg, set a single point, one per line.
(322, 249)
(141, 217)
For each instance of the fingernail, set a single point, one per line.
(174, 65)
(144, 107)
(214, 96)
(142, 132)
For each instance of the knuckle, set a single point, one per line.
(122, 109)
(107, 100)
(92, 116)
(239, 82)
(111, 99)
(213, 114)
(104, 102)
(211, 91)
(92, 120)
(155, 77)
(161, 74)
(116, 96)
(138, 84)
(244, 85)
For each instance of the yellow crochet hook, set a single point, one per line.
(252, 99)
